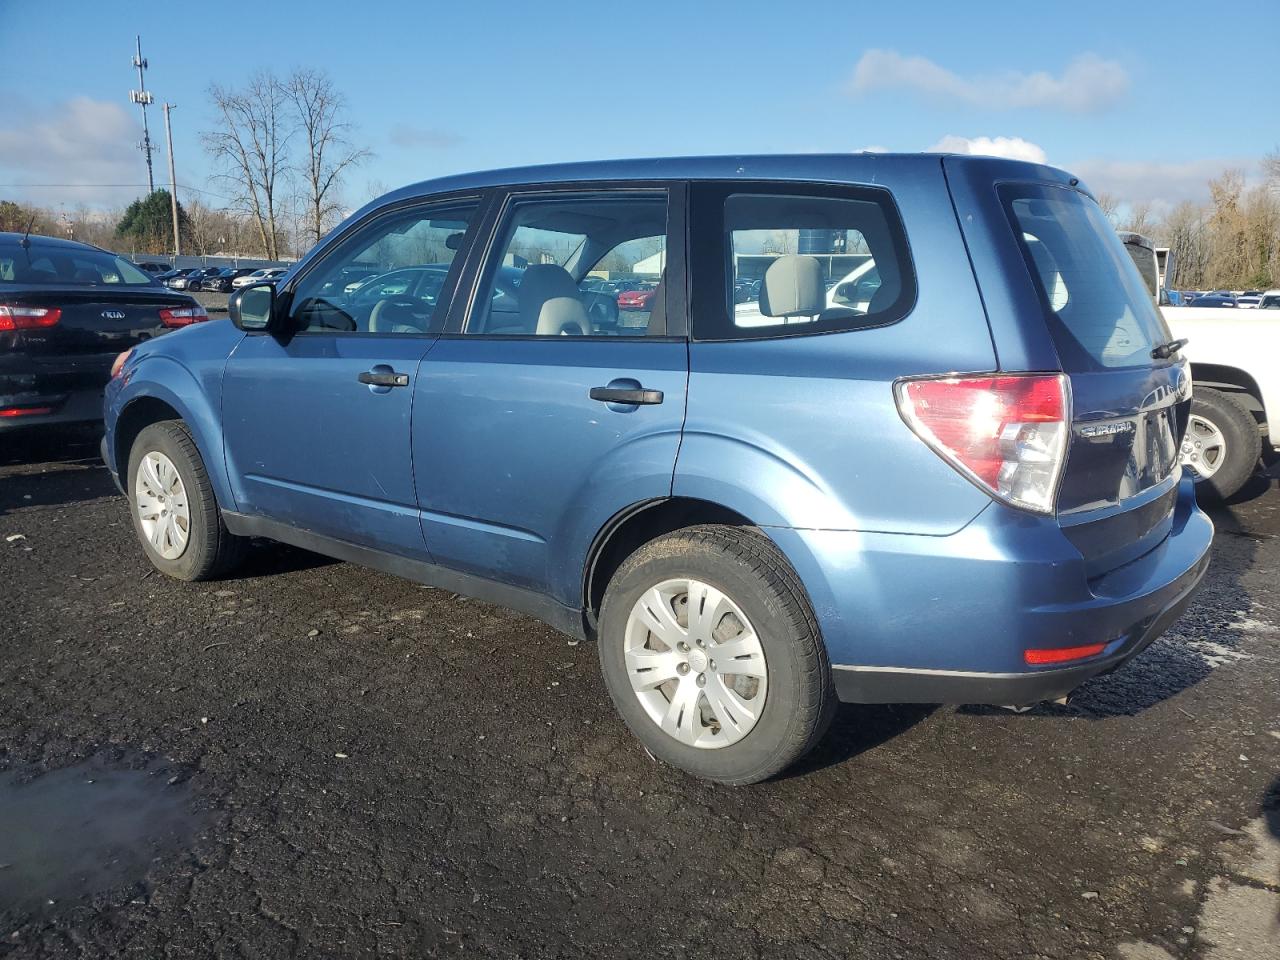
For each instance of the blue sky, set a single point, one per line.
(1143, 100)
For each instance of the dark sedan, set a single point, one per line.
(178, 279)
(220, 282)
(67, 310)
(196, 281)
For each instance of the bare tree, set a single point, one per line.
(1110, 205)
(252, 148)
(1138, 219)
(326, 151)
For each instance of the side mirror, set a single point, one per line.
(252, 308)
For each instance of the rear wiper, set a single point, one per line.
(1167, 350)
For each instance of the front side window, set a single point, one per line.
(802, 262)
(576, 265)
(386, 278)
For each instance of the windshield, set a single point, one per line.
(1098, 307)
(67, 266)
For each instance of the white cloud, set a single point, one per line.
(1161, 184)
(1088, 84)
(1015, 148)
(82, 142)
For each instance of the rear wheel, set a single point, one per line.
(1222, 444)
(712, 655)
(174, 510)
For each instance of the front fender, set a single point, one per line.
(160, 377)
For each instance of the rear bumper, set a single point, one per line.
(949, 619)
(892, 685)
(76, 406)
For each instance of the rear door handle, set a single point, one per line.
(376, 378)
(624, 395)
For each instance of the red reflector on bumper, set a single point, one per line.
(23, 411)
(1062, 654)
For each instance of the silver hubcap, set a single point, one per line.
(695, 663)
(161, 500)
(1204, 447)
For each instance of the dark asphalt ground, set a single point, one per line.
(317, 760)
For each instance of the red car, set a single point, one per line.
(635, 299)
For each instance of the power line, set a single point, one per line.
(90, 186)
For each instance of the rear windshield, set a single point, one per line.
(1099, 310)
(67, 266)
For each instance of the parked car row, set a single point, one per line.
(1243, 300)
(215, 279)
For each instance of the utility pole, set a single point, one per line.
(173, 185)
(143, 98)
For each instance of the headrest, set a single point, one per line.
(793, 287)
(538, 284)
(560, 315)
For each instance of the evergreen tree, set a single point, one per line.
(148, 223)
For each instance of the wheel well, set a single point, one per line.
(1233, 381)
(636, 526)
(135, 418)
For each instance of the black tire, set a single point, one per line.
(211, 550)
(800, 697)
(1241, 440)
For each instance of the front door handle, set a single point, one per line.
(625, 395)
(378, 378)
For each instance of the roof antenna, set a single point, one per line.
(26, 236)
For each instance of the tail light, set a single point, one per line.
(183, 316)
(117, 365)
(1008, 434)
(27, 318)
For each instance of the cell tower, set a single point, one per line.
(142, 97)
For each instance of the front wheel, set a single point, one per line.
(712, 655)
(174, 510)
(1222, 444)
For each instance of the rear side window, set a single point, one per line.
(1097, 306)
(797, 260)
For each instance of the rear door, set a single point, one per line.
(537, 417)
(317, 424)
(1129, 401)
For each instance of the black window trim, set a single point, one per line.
(677, 293)
(711, 250)
(448, 290)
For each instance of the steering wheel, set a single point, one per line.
(399, 315)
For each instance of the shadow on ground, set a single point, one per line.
(856, 729)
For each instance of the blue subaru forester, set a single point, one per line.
(874, 428)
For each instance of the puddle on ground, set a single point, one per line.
(75, 832)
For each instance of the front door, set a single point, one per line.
(547, 409)
(317, 424)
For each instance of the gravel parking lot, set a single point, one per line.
(318, 760)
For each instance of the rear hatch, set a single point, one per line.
(1129, 402)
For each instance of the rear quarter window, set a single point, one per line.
(1095, 302)
(788, 259)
